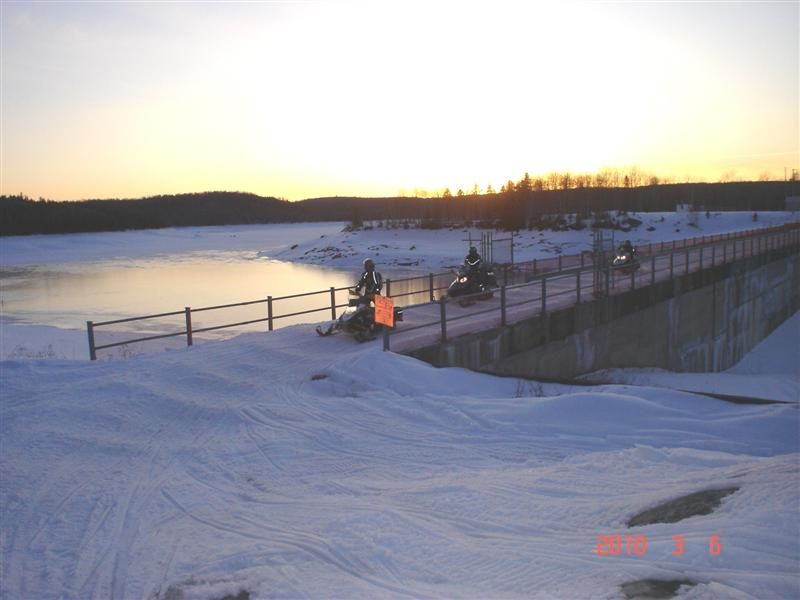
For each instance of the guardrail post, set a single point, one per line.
(385, 339)
(443, 318)
(430, 283)
(389, 288)
(90, 332)
(503, 306)
(734, 250)
(687, 262)
(671, 265)
(701, 258)
(534, 266)
(653, 269)
(578, 287)
(544, 294)
(333, 303)
(559, 262)
(269, 313)
(188, 312)
(724, 252)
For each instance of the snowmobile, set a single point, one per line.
(625, 261)
(470, 283)
(358, 319)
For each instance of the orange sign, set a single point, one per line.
(384, 310)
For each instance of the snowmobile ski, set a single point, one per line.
(324, 332)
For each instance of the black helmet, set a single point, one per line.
(473, 250)
(368, 264)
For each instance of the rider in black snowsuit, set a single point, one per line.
(627, 247)
(371, 281)
(472, 264)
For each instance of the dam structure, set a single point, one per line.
(697, 309)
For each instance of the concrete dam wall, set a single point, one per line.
(701, 321)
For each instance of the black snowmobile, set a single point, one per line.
(625, 261)
(478, 284)
(358, 319)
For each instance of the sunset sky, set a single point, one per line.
(307, 99)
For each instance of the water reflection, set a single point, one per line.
(68, 295)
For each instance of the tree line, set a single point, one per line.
(607, 177)
(20, 215)
(515, 206)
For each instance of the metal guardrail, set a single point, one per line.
(731, 248)
(537, 271)
(271, 317)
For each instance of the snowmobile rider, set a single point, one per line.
(628, 248)
(371, 281)
(472, 262)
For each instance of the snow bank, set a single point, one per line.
(292, 466)
(771, 371)
(395, 250)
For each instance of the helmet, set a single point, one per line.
(473, 250)
(368, 264)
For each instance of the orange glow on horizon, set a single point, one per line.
(301, 100)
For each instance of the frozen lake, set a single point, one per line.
(66, 295)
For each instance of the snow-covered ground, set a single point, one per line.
(291, 466)
(330, 244)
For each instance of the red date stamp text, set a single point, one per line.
(614, 545)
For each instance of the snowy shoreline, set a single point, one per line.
(398, 252)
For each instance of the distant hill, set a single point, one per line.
(22, 216)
